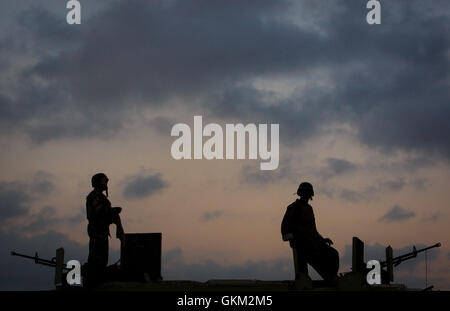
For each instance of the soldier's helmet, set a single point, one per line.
(97, 179)
(305, 189)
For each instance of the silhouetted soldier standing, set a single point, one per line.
(299, 228)
(100, 215)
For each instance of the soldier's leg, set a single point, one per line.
(92, 271)
(325, 262)
(331, 265)
(302, 279)
(103, 256)
(300, 263)
(97, 259)
(334, 261)
(104, 246)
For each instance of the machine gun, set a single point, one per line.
(140, 260)
(398, 260)
(387, 274)
(56, 262)
(38, 260)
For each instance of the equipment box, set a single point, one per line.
(140, 254)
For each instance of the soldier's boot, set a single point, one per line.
(333, 282)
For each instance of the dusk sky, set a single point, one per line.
(362, 110)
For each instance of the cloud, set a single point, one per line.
(336, 167)
(162, 125)
(340, 166)
(13, 201)
(16, 196)
(350, 195)
(251, 174)
(142, 186)
(433, 217)
(42, 183)
(208, 216)
(397, 213)
(369, 193)
(394, 185)
(47, 216)
(421, 184)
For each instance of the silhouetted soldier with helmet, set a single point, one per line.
(100, 215)
(309, 247)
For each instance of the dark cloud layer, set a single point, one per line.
(390, 80)
(142, 186)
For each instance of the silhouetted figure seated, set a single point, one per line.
(309, 247)
(100, 215)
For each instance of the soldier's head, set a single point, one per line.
(100, 182)
(305, 191)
